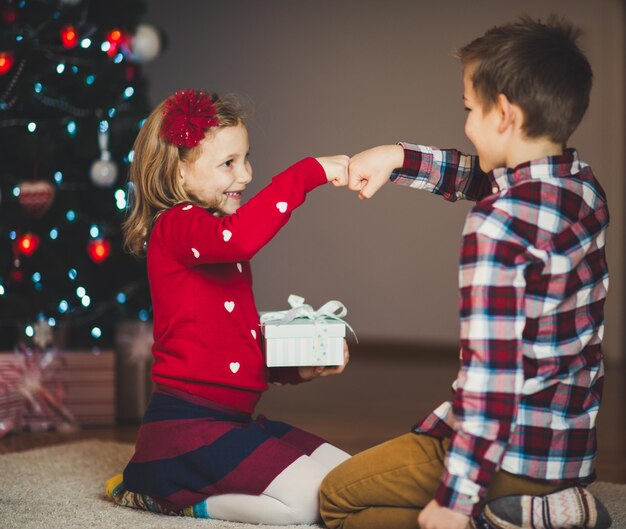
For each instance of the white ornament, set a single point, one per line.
(42, 334)
(145, 44)
(281, 206)
(103, 171)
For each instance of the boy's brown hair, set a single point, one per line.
(537, 66)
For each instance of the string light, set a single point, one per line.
(58, 177)
(32, 126)
(28, 244)
(69, 37)
(98, 250)
(6, 62)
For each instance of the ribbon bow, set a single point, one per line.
(331, 310)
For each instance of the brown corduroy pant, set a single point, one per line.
(385, 487)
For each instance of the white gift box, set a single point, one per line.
(304, 342)
(302, 336)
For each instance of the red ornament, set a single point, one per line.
(98, 250)
(16, 276)
(28, 243)
(36, 197)
(6, 62)
(69, 37)
(8, 16)
(187, 115)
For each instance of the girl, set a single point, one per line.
(199, 451)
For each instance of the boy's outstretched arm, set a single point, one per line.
(369, 170)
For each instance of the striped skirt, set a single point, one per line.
(189, 448)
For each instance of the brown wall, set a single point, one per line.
(326, 77)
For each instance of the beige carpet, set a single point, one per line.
(62, 487)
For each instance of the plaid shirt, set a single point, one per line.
(533, 281)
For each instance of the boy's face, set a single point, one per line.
(482, 127)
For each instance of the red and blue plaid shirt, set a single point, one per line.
(533, 280)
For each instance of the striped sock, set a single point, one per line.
(573, 508)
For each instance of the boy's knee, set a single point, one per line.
(330, 512)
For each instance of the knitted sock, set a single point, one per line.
(479, 522)
(573, 508)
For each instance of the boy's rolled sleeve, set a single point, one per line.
(445, 172)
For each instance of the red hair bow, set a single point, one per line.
(187, 115)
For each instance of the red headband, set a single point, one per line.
(187, 115)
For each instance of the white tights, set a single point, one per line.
(291, 498)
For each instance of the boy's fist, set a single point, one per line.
(370, 169)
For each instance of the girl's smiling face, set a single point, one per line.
(220, 174)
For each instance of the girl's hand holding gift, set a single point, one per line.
(311, 372)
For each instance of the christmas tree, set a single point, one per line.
(72, 98)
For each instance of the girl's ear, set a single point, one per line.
(182, 173)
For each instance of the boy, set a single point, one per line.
(533, 279)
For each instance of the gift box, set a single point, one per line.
(63, 388)
(88, 381)
(12, 404)
(133, 347)
(304, 342)
(303, 336)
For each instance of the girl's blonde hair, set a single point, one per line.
(155, 185)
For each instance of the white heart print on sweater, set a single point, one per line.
(253, 333)
(234, 366)
(239, 267)
(281, 206)
(187, 208)
(229, 305)
(227, 234)
(196, 253)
